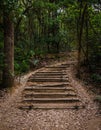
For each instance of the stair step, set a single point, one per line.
(60, 67)
(58, 93)
(50, 95)
(55, 85)
(29, 106)
(50, 100)
(48, 89)
(51, 72)
(47, 80)
(46, 76)
(66, 84)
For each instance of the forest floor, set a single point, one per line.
(13, 118)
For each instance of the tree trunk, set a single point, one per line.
(87, 43)
(8, 70)
(82, 18)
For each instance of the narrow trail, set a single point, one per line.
(50, 99)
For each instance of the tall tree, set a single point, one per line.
(7, 7)
(82, 12)
(8, 70)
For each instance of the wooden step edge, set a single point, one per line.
(51, 85)
(55, 66)
(65, 93)
(49, 76)
(51, 100)
(52, 106)
(56, 85)
(55, 99)
(49, 88)
(49, 95)
(48, 80)
(51, 72)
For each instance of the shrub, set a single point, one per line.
(96, 78)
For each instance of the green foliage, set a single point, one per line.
(22, 59)
(44, 25)
(96, 78)
(24, 66)
(56, 23)
(17, 67)
(21, 67)
(8, 5)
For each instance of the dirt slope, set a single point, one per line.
(12, 118)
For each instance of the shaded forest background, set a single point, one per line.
(31, 29)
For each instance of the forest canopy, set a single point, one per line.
(30, 28)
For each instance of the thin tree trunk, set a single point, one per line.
(87, 44)
(80, 38)
(8, 71)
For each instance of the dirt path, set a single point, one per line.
(13, 118)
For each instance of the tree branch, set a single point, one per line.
(20, 18)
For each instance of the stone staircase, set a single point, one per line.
(50, 89)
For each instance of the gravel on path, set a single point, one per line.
(12, 118)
